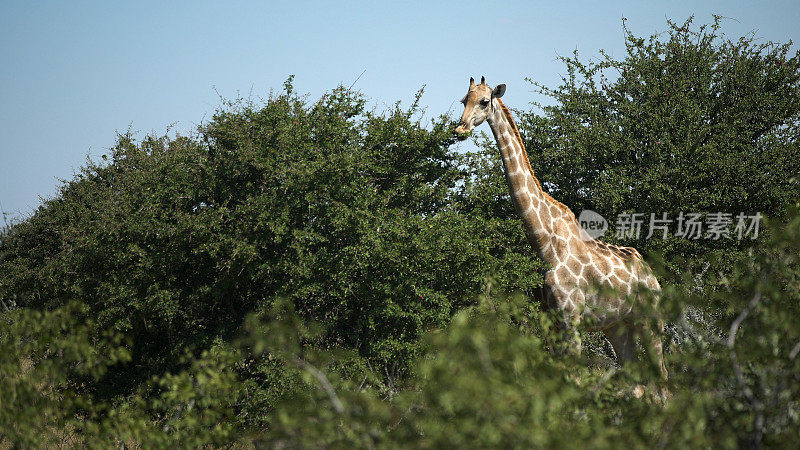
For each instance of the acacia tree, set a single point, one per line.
(377, 238)
(171, 242)
(487, 379)
(689, 120)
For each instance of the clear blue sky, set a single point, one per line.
(73, 73)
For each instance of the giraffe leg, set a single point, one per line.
(564, 337)
(656, 346)
(621, 339)
(572, 321)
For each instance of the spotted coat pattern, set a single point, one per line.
(580, 266)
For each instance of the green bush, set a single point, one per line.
(688, 120)
(487, 380)
(50, 363)
(307, 274)
(172, 242)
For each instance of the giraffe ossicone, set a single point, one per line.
(579, 262)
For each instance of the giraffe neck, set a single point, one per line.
(549, 225)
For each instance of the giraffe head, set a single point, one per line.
(477, 105)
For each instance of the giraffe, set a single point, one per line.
(578, 263)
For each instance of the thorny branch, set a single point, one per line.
(323, 380)
(326, 384)
(748, 393)
(795, 351)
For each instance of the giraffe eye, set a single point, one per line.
(484, 102)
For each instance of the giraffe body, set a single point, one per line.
(579, 264)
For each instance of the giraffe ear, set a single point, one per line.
(499, 90)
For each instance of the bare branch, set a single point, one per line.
(748, 393)
(323, 380)
(795, 351)
(740, 318)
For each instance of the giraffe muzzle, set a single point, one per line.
(462, 132)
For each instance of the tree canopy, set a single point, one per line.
(689, 120)
(315, 274)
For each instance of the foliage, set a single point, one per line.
(314, 274)
(48, 361)
(488, 380)
(689, 120)
(172, 242)
(746, 362)
(52, 363)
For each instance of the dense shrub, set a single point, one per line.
(688, 120)
(172, 242)
(488, 381)
(310, 274)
